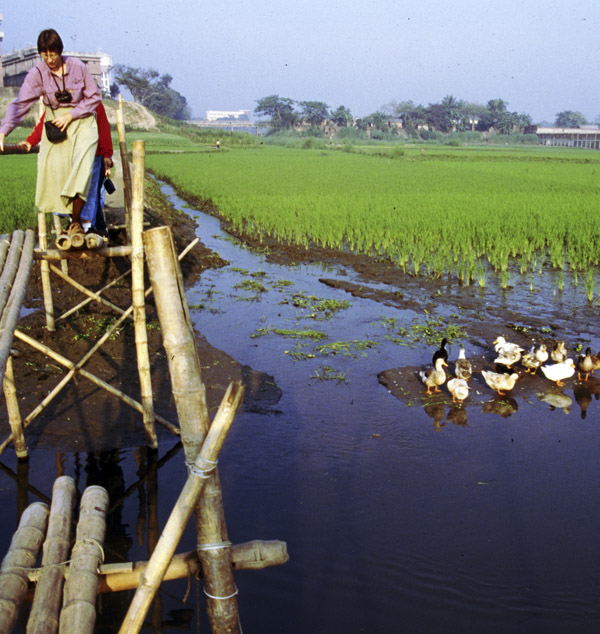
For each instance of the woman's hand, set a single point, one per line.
(108, 163)
(63, 121)
(2, 137)
(24, 145)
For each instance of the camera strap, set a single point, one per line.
(57, 84)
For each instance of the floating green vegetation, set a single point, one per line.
(318, 308)
(315, 335)
(327, 373)
(253, 287)
(431, 331)
(347, 348)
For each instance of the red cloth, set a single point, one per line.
(105, 145)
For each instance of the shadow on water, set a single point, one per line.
(402, 511)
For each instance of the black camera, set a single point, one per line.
(63, 96)
(109, 186)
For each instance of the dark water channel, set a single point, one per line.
(393, 523)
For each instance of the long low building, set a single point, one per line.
(585, 136)
(15, 66)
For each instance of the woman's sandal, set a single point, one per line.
(75, 227)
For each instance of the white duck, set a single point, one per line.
(502, 383)
(541, 353)
(459, 389)
(463, 368)
(501, 346)
(434, 377)
(558, 372)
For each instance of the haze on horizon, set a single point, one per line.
(539, 57)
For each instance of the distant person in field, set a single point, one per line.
(70, 96)
(92, 214)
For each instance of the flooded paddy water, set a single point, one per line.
(402, 512)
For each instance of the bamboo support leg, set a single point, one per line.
(45, 273)
(22, 554)
(78, 614)
(187, 501)
(64, 264)
(44, 615)
(190, 401)
(14, 413)
(138, 298)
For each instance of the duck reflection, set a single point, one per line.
(583, 396)
(556, 400)
(504, 406)
(457, 415)
(436, 412)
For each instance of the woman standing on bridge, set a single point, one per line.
(70, 98)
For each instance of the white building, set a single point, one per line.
(228, 115)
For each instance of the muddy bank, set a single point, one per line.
(83, 417)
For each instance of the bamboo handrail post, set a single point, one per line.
(45, 273)
(187, 501)
(124, 166)
(78, 614)
(44, 616)
(137, 287)
(14, 413)
(22, 554)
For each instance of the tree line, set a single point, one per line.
(151, 89)
(449, 115)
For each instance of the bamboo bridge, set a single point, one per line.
(63, 576)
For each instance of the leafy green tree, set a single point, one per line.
(342, 116)
(153, 90)
(314, 112)
(279, 109)
(569, 119)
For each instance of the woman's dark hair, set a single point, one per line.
(49, 40)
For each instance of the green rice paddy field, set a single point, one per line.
(433, 210)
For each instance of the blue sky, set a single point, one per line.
(539, 56)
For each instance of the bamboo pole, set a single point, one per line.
(12, 308)
(199, 472)
(125, 166)
(254, 555)
(45, 610)
(92, 295)
(105, 252)
(78, 614)
(22, 554)
(137, 288)
(64, 264)
(74, 368)
(63, 243)
(85, 291)
(45, 273)
(178, 338)
(10, 267)
(190, 400)
(14, 413)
